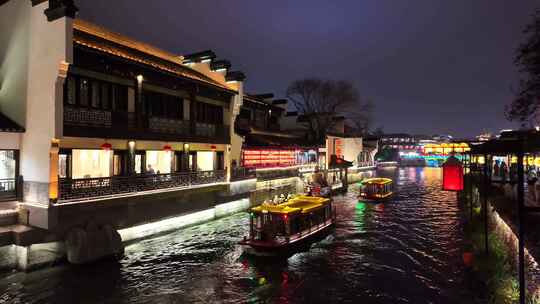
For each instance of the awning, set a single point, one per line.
(338, 162)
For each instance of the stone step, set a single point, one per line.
(8, 217)
(17, 234)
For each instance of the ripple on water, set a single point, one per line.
(403, 251)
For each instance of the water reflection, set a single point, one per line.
(403, 251)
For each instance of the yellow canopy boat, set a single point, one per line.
(378, 188)
(281, 229)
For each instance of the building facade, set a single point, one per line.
(88, 113)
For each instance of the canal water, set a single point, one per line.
(406, 250)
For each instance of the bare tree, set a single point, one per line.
(360, 117)
(321, 101)
(524, 108)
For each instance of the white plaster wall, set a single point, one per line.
(14, 45)
(351, 148)
(10, 141)
(8, 257)
(236, 140)
(50, 44)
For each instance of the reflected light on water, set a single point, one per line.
(405, 250)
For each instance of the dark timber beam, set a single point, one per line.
(60, 8)
(37, 2)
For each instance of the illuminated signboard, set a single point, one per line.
(446, 148)
(338, 145)
(268, 158)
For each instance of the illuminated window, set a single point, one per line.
(117, 164)
(158, 161)
(205, 161)
(7, 164)
(91, 163)
(138, 164)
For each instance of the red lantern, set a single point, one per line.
(167, 148)
(452, 174)
(106, 146)
(213, 147)
(468, 258)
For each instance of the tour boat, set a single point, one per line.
(376, 189)
(283, 229)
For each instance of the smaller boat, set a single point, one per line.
(283, 229)
(376, 189)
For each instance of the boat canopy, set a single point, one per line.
(377, 181)
(299, 204)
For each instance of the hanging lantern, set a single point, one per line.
(167, 148)
(106, 146)
(213, 148)
(452, 174)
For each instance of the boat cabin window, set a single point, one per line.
(378, 188)
(274, 225)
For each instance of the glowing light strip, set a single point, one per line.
(170, 224)
(508, 233)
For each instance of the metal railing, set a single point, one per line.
(70, 189)
(87, 117)
(243, 173)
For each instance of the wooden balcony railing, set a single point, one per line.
(87, 117)
(97, 123)
(71, 189)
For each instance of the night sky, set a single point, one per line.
(428, 66)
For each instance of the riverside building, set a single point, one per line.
(100, 130)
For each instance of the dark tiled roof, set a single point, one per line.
(8, 125)
(220, 64)
(103, 40)
(264, 96)
(235, 76)
(279, 101)
(197, 57)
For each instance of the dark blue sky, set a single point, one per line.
(428, 66)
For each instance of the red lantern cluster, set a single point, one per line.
(452, 174)
(167, 148)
